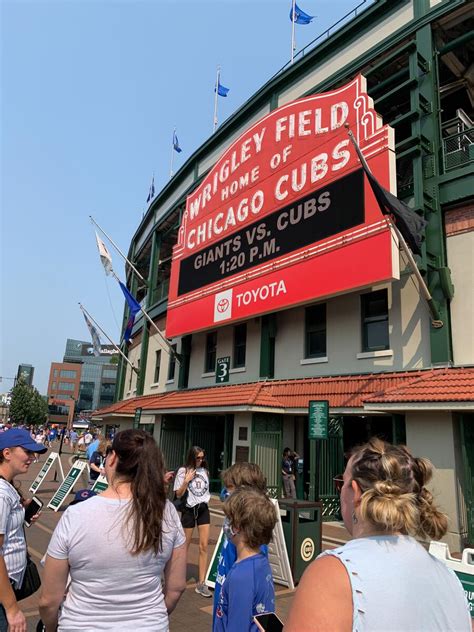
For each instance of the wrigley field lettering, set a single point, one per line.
(286, 216)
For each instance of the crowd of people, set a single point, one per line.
(135, 574)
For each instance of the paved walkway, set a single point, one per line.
(193, 611)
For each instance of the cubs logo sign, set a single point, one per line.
(286, 215)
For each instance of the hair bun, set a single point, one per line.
(387, 488)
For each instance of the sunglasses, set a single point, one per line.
(200, 458)
(338, 482)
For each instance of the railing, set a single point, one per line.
(458, 149)
(327, 33)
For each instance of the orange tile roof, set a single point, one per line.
(453, 384)
(350, 391)
(438, 385)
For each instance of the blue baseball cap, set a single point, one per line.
(20, 438)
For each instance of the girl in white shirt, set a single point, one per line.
(192, 480)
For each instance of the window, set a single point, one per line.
(374, 312)
(53, 386)
(240, 344)
(172, 364)
(56, 373)
(156, 377)
(315, 331)
(66, 386)
(109, 373)
(65, 373)
(130, 377)
(211, 348)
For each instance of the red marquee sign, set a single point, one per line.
(286, 215)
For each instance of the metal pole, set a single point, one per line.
(108, 338)
(293, 42)
(214, 124)
(435, 320)
(118, 250)
(172, 154)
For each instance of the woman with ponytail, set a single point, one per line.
(117, 547)
(383, 579)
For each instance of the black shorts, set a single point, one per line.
(198, 515)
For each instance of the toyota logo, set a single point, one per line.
(223, 305)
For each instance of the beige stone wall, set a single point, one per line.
(431, 435)
(460, 250)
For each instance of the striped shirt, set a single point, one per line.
(12, 514)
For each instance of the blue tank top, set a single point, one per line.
(397, 585)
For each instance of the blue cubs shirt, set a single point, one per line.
(248, 590)
(227, 558)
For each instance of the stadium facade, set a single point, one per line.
(279, 282)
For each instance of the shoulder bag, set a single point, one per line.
(180, 503)
(31, 581)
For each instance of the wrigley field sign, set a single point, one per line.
(285, 216)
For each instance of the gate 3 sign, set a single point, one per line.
(286, 215)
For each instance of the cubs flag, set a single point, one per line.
(298, 16)
(134, 308)
(104, 254)
(151, 192)
(176, 146)
(222, 91)
(409, 223)
(94, 336)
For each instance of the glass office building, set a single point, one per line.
(98, 373)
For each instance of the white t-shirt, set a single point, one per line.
(111, 589)
(198, 488)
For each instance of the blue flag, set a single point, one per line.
(134, 308)
(176, 146)
(300, 16)
(222, 91)
(151, 192)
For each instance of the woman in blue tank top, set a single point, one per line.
(383, 579)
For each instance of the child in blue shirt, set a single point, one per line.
(238, 476)
(248, 588)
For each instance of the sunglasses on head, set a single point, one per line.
(338, 482)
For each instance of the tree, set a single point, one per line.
(27, 406)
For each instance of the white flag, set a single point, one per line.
(104, 255)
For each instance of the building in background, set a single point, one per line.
(88, 380)
(25, 372)
(338, 318)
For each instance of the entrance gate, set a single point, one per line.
(467, 447)
(210, 432)
(267, 433)
(330, 465)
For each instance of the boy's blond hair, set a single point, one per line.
(247, 475)
(252, 514)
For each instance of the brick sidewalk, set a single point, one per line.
(192, 610)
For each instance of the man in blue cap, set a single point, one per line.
(17, 452)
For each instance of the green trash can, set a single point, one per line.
(302, 528)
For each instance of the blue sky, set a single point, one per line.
(91, 92)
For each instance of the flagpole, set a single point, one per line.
(118, 250)
(172, 154)
(293, 43)
(435, 319)
(158, 331)
(214, 124)
(84, 311)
